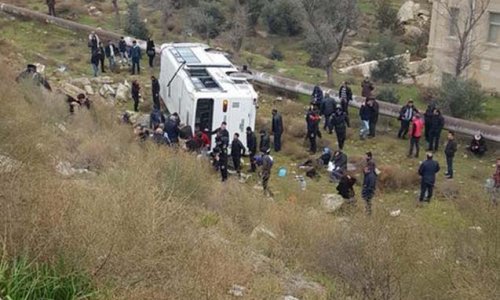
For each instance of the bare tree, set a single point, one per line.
(238, 26)
(464, 18)
(327, 23)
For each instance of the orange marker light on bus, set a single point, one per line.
(225, 104)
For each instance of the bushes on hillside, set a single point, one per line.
(461, 98)
(387, 16)
(389, 68)
(135, 26)
(282, 17)
(207, 19)
(388, 95)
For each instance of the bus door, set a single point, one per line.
(204, 114)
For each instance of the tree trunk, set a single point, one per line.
(329, 75)
(459, 61)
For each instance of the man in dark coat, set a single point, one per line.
(265, 141)
(155, 89)
(369, 186)
(365, 116)
(136, 94)
(327, 109)
(135, 56)
(339, 160)
(94, 61)
(449, 151)
(51, 4)
(237, 151)
(317, 96)
(172, 130)
(267, 164)
(102, 56)
(345, 95)
(345, 188)
(427, 121)
(277, 129)
(252, 148)
(221, 158)
(150, 51)
(312, 119)
(122, 47)
(366, 88)
(339, 122)
(428, 170)
(373, 106)
(406, 115)
(111, 51)
(437, 124)
(222, 134)
(155, 119)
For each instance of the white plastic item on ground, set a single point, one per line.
(395, 213)
(237, 290)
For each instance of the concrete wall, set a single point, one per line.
(486, 65)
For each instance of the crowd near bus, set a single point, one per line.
(326, 114)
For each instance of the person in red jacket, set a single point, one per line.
(416, 132)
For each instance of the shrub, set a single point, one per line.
(207, 19)
(388, 95)
(283, 18)
(395, 178)
(461, 98)
(387, 16)
(389, 68)
(276, 54)
(135, 26)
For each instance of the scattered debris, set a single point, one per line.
(476, 228)
(106, 90)
(8, 164)
(61, 127)
(237, 290)
(64, 168)
(262, 230)
(290, 298)
(396, 213)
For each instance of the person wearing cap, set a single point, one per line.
(340, 121)
(252, 148)
(449, 151)
(369, 186)
(267, 164)
(237, 151)
(428, 170)
(478, 145)
(265, 141)
(135, 55)
(277, 129)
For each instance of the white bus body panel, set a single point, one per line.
(205, 76)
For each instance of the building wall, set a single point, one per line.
(486, 64)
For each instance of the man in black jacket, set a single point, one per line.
(237, 151)
(437, 124)
(327, 109)
(110, 51)
(406, 114)
(373, 106)
(265, 142)
(252, 148)
(449, 151)
(122, 47)
(313, 119)
(223, 134)
(345, 188)
(102, 56)
(427, 171)
(345, 95)
(155, 87)
(277, 129)
(427, 121)
(369, 186)
(339, 122)
(339, 160)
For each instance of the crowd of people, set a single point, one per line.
(128, 56)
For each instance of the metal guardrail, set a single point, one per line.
(491, 133)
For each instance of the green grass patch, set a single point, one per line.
(22, 279)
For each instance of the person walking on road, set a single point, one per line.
(449, 151)
(428, 170)
(277, 129)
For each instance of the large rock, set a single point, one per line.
(71, 90)
(64, 168)
(122, 92)
(102, 80)
(106, 90)
(408, 11)
(81, 82)
(331, 202)
(261, 230)
(89, 90)
(412, 32)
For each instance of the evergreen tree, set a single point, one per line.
(135, 26)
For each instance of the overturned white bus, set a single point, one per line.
(205, 89)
